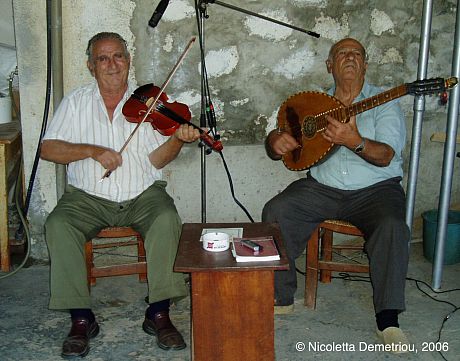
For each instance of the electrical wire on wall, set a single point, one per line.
(23, 229)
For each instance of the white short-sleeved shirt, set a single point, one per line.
(82, 118)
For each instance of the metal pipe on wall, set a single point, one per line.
(419, 109)
(448, 163)
(57, 74)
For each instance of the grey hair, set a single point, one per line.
(103, 36)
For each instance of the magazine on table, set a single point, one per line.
(255, 249)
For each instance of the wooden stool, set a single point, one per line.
(322, 262)
(10, 161)
(139, 267)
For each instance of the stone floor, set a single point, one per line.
(344, 317)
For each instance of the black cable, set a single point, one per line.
(232, 189)
(23, 226)
(208, 115)
(46, 109)
(456, 308)
(432, 290)
(348, 277)
(355, 278)
(200, 42)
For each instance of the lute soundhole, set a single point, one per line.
(309, 126)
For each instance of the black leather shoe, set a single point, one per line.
(77, 342)
(168, 337)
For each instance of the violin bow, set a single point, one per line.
(154, 102)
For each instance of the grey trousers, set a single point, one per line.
(378, 211)
(79, 216)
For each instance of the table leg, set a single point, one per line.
(4, 238)
(232, 316)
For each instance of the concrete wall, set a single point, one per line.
(6, 23)
(253, 66)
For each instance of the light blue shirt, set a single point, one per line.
(385, 123)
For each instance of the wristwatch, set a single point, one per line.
(360, 147)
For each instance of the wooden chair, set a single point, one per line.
(139, 267)
(322, 263)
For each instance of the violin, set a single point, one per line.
(165, 117)
(150, 103)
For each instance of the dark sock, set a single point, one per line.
(157, 307)
(82, 313)
(387, 318)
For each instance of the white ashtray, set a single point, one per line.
(215, 241)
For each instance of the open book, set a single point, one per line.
(268, 251)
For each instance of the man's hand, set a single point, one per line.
(280, 143)
(169, 150)
(187, 134)
(345, 134)
(61, 152)
(108, 158)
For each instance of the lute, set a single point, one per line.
(303, 116)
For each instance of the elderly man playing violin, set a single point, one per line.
(86, 134)
(359, 183)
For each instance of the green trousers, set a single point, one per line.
(79, 216)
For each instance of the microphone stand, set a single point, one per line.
(201, 14)
(312, 33)
(207, 116)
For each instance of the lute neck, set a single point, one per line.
(373, 102)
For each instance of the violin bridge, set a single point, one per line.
(149, 102)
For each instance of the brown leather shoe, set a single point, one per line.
(168, 338)
(77, 342)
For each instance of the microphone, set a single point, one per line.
(158, 13)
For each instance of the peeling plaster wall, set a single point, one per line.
(253, 66)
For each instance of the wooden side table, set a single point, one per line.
(232, 303)
(10, 156)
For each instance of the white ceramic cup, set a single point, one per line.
(5, 110)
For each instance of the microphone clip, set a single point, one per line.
(207, 149)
